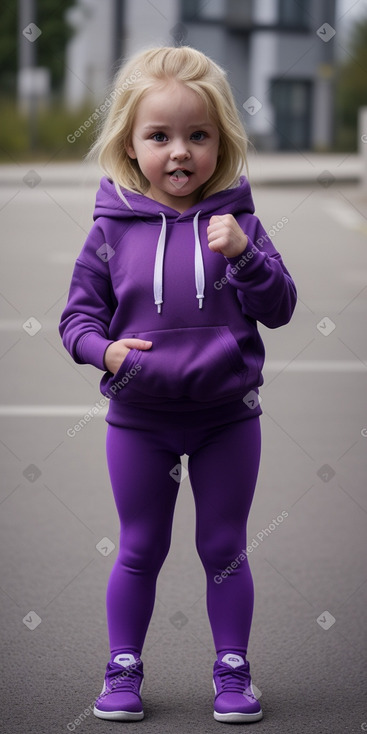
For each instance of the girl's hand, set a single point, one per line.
(117, 351)
(226, 236)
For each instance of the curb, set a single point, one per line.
(264, 170)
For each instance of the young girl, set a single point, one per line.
(164, 298)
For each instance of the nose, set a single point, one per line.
(179, 151)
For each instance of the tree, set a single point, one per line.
(50, 45)
(352, 85)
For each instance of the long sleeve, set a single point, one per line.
(85, 320)
(264, 286)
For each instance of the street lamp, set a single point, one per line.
(33, 82)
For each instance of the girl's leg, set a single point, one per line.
(223, 473)
(139, 463)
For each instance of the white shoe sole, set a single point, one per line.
(235, 717)
(119, 715)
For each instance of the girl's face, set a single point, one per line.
(175, 143)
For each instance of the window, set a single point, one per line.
(292, 100)
(203, 10)
(293, 13)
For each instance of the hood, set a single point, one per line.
(115, 202)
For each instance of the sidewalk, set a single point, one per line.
(265, 169)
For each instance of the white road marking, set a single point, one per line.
(62, 257)
(14, 325)
(45, 411)
(316, 365)
(78, 411)
(345, 215)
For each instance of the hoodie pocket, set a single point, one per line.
(201, 363)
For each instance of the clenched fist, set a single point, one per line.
(226, 236)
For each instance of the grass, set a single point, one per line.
(44, 135)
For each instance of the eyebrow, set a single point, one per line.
(158, 125)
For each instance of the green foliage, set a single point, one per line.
(351, 88)
(48, 137)
(50, 46)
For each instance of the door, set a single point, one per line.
(291, 100)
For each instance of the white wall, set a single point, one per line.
(89, 53)
(149, 24)
(89, 57)
(263, 62)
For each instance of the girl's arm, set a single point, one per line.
(264, 286)
(85, 320)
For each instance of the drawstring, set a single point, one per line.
(158, 265)
(199, 265)
(124, 199)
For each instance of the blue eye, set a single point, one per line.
(158, 137)
(198, 136)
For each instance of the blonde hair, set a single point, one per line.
(140, 74)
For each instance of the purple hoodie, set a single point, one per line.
(146, 271)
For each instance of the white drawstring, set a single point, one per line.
(124, 199)
(159, 257)
(158, 266)
(199, 265)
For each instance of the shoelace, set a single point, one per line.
(234, 680)
(123, 680)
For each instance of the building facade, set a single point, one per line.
(279, 56)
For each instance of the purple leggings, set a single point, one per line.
(223, 465)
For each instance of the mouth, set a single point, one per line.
(179, 176)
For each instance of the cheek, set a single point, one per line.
(212, 156)
(149, 162)
(211, 163)
(152, 160)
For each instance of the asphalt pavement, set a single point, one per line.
(58, 522)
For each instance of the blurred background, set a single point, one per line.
(299, 74)
(298, 84)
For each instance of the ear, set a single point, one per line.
(130, 151)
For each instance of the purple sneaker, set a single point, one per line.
(120, 696)
(235, 700)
